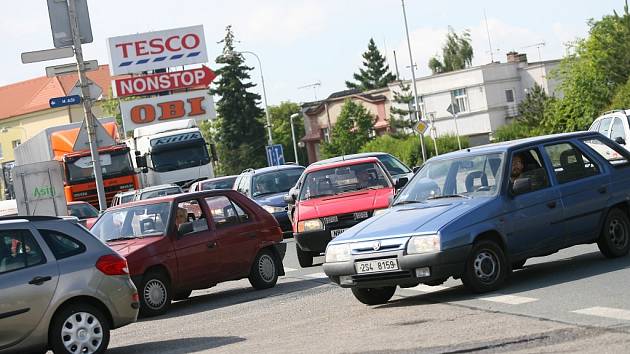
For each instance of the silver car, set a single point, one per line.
(60, 287)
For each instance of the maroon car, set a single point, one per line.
(217, 236)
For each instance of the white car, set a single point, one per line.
(614, 125)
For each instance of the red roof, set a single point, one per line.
(33, 95)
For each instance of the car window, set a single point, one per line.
(617, 130)
(616, 155)
(18, 250)
(570, 163)
(132, 221)
(393, 166)
(82, 211)
(343, 179)
(275, 182)
(604, 126)
(190, 212)
(62, 245)
(160, 193)
(595, 126)
(220, 184)
(224, 212)
(528, 165)
(243, 185)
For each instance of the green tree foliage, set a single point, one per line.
(240, 136)
(111, 108)
(516, 130)
(401, 119)
(457, 53)
(376, 73)
(351, 131)
(531, 110)
(280, 121)
(621, 100)
(407, 149)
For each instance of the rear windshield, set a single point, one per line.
(333, 181)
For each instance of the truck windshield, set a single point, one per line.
(343, 179)
(180, 158)
(113, 164)
(132, 222)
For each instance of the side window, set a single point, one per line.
(617, 131)
(528, 172)
(569, 163)
(223, 211)
(190, 218)
(243, 185)
(595, 126)
(616, 155)
(18, 250)
(62, 245)
(604, 126)
(242, 214)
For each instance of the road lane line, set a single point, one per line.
(428, 289)
(608, 312)
(509, 299)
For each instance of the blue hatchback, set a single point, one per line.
(478, 213)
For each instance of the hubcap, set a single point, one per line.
(618, 233)
(82, 333)
(266, 268)
(486, 266)
(155, 294)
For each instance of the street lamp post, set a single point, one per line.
(294, 115)
(262, 79)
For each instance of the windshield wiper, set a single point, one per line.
(123, 238)
(449, 196)
(403, 202)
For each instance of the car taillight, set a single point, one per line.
(112, 264)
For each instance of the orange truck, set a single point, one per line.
(66, 143)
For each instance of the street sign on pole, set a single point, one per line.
(420, 127)
(275, 155)
(146, 84)
(71, 68)
(64, 101)
(58, 13)
(95, 90)
(453, 109)
(47, 54)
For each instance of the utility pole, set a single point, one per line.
(87, 105)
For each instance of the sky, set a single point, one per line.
(306, 42)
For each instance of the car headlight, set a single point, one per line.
(273, 209)
(379, 211)
(310, 225)
(338, 253)
(423, 244)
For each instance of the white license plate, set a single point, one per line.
(381, 265)
(335, 233)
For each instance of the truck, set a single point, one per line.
(171, 152)
(68, 144)
(39, 189)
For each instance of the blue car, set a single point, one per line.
(479, 213)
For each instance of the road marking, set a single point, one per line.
(429, 289)
(509, 299)
(608, 312)
(317, 275)
(288, 270)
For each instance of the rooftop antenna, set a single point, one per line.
(314, 86)
(537, 45)
(489, 40)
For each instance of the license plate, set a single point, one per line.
(335, 233)
(381, 265)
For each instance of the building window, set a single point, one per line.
(1, 155)
(460, 99)
(509, 96)
(372, 133)
(421, 108)
(326, 134)
(16, 143)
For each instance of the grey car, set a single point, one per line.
(60, 287)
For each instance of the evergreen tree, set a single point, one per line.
(533, 109)
(457, 53)
(240, 135)
(351, 131)
(376, 73)
(402, 119)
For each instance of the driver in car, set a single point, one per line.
(181, 217)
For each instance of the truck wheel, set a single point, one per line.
(374, 296)
(486, 267)
(614, 239)
(155, 294)
(304, 258)
(79, 328)
(264, 272)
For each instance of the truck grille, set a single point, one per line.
(91, 196)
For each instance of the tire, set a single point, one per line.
(75, 327)
(614, 240)
(486, 267)
(304, 258)
(519, 264)
(182, 295)
(155, 294)
(264, 272)
(374, 296)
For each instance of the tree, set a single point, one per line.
(376, 73)
(111, 107)
(457, 53)
(280, 121)
(535, 107)
(621, 100)
(240, 136)
(351, 131)
(401, 119)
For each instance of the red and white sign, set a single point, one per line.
(143, 85)
(157, 50)
(197, 105)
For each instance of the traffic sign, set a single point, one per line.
(64, 101)
(275, 155)
(420, 127)
(143, 85)
(453, 108)
(47, 54)
(71, 68)
(95, 90)
(60, 22)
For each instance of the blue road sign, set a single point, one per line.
(64, 101)
(275, 155)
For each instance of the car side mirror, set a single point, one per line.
(184, 229)
(141, 161)
(401, 182)
(416, 169)
(619, 140)
(521, 185)
(289, 198)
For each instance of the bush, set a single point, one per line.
(408, 149)
(516, 130)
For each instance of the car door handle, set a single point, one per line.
(602, 190)
(212, 244)
(39, 280)
(551, 205)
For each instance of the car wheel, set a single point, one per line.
(519, 264)
(182, 295)
(264, 272)
(155, 294)
(614, 240)
(305, 258)
(486, 267)
(374, 296)
(79, 328)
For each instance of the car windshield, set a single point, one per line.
(82, 211)
(165, 160)
(275, 182)
(126, 198)
(160, 193)
(469, 176)
(338, 180)
(132, 222)
(227, 183)
(112, 164)
(393, 166)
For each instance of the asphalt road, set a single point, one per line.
(572, 301)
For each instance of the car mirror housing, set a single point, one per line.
(288, 198)
(619, 140)
(401, 182)
(521, 185)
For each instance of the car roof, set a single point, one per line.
(120, 194)
(273, 168)
(158, 187)
(342, 163)
(78, 202)
(217, 179)
(349, 157)
(173, 197)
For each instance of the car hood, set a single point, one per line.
(345, 203)
(126, 247)
(272, 199)
(428, 217)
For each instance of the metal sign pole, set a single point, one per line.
(87, 104)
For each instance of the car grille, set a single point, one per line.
(388, 244)
(345, 221)
(403, 274)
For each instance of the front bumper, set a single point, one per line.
(441, 264)
(313, 241)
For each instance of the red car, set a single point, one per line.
(85, 211)
(334, 197)
(178, 243)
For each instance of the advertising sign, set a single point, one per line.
(156, 50)
(197, 105)
(146, 84)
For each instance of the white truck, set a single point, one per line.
(171, 152)
(39, 189)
